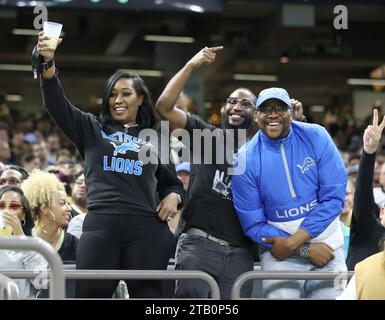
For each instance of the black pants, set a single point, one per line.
(125, 241)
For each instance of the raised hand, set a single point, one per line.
(205, 56)
(43, 49)
(13, 221)
(372, 134)
(297, 110)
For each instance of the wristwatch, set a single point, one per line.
(304, 251)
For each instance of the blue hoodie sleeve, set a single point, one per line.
(332, 180)
(248, 204)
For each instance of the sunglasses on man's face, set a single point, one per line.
(279, 108)
(244, 103)
(11, 206)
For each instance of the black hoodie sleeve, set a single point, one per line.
(68, 118)
(169, 182)
(364, 208)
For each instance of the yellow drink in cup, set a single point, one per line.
(5, 230)
(52, 43)
(52, 30)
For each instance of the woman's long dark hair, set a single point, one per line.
(146, 114)
(29, 223)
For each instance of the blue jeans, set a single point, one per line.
(223, 263)
(295, 289)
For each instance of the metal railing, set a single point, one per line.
(8, 289)
(284, 275)
(127, 275)
(57, 283)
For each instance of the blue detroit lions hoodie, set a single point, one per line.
(286, 184)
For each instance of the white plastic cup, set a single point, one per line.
(53, 31)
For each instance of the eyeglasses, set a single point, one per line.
(12, 181)
(279, 108)
(11, 206)
(244, 103)
(80, 181)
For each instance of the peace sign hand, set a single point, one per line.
(372, 134)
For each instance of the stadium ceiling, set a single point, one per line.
(257, 36)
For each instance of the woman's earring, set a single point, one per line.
(23, 222)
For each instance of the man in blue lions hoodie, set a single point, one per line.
(288, 196)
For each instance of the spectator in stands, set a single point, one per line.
(122, 230)
(5, 152)
(15, 212)
(39, 150)
(4, 133)
(377, 170)
(354, 159)
(212, 233)
(49, 206)
(183, 173)
(78, 206)
(352, 172)
(79, 203)
(346, 215)
(366, 229)
(379, 192)
(18, 146)
(44, 124)
(63, 156)
(287, 197)
(30, 162)
(53, 146)
(13, 175)
(25, 124)
(30, 138)
(368, 281)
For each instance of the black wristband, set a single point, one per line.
(38, 64)
(46, 65)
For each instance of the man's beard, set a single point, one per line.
(246, 123)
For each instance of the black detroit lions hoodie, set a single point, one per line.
(118, 182)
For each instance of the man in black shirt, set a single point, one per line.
(365, 229)
(213, 240)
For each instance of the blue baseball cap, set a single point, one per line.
(183, 167)
(273, 93)
(30, 138)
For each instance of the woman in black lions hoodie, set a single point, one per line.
(126, 227)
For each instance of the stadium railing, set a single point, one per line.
(57, 286)
(338, 277)
(8, 289)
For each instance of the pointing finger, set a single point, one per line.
(216, 49)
